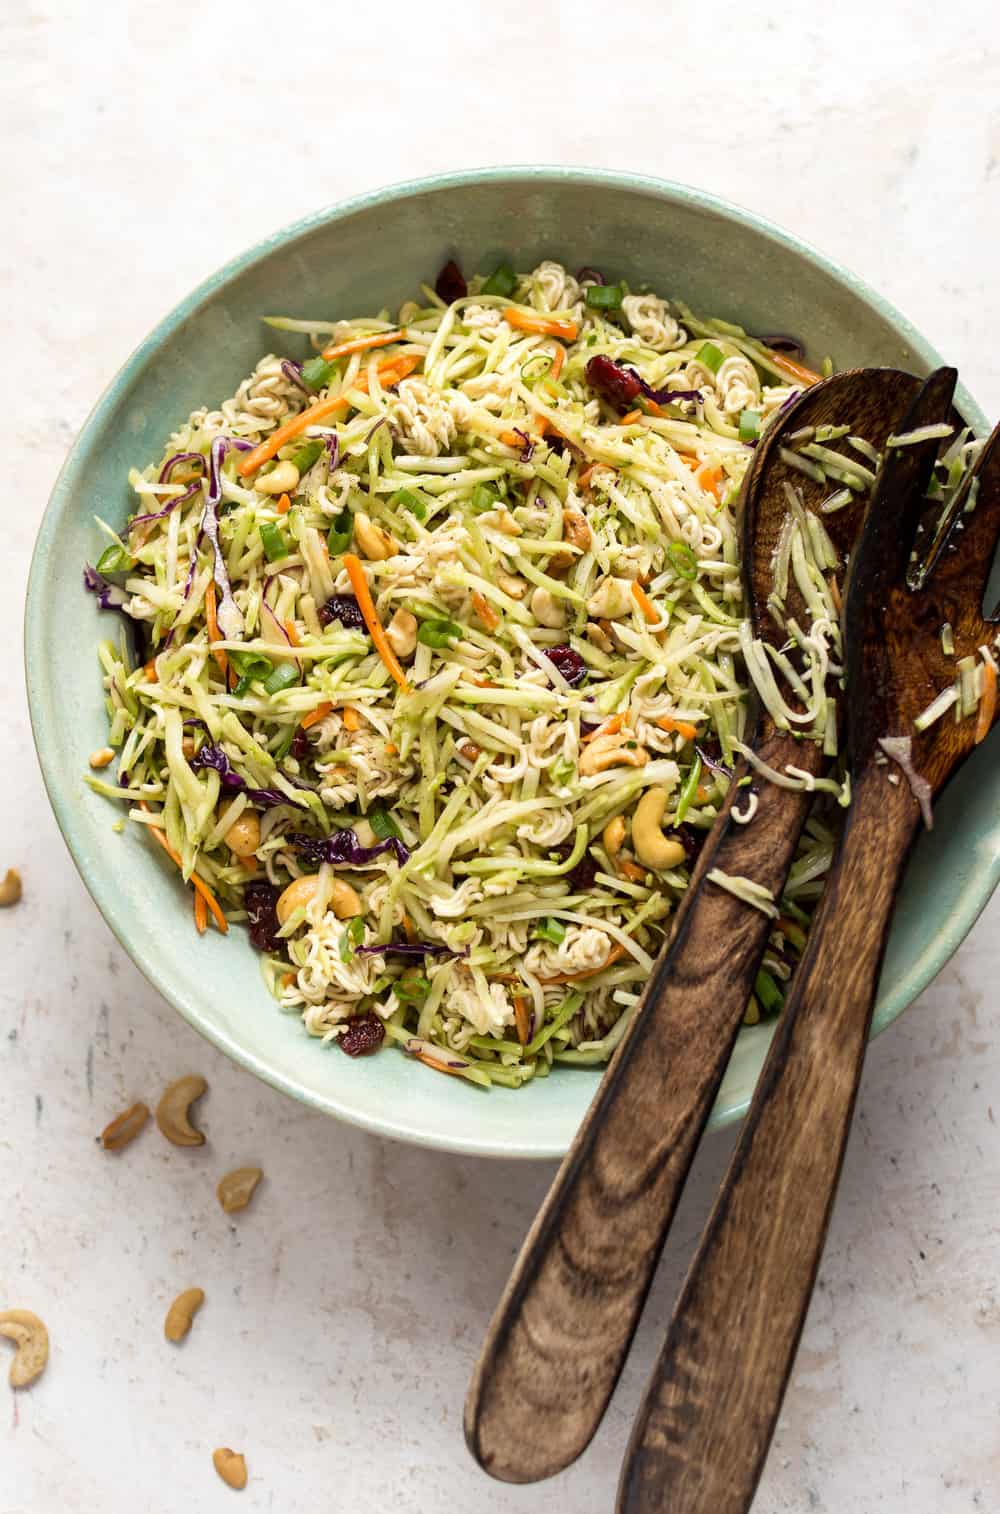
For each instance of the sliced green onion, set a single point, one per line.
(438, 633)
(352, 938)
(282, 677)
(684, 562)
(550, 929)
(484, 498)
(688, 790)
(502, 280)
(285, 744)
(768, 993)
(273, 540)
(317, 372)
(383, 825)
(250, 665)
(412, 988)
(604, 297)
(115, 559)
(709, 356)
(307, 455)
(405, 499)
(536, 367)
(338, 538)
(749, 425)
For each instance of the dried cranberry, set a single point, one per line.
(260, 900)
(450, 283)
(613, 382)
(364, 1034)
(581, 876)
(345, 608)
(300, 744)
(691, 839)
(570, 664)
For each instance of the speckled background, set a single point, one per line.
(142, 147)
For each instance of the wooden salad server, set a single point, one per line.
(562, 1329)
(706, 1422)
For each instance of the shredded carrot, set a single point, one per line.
(681, 727)
(631, 870)
(988, 702)
(558, 359)
(315, 716)
(609, 727)
(540, 325)
(284, 505)
(392, 750)
(701, 793)
(587, 972)
(835, 595)
(631, 418)
(249, 864)
(351, 718)
(539, 426)
(584, 478)
(390, 373)
(201, 887)
(421, 1056)
(213, 629)
(522, 1019)
(708, 476)
(644, 602)
(291, 631)
(511, 439)
(200, 914)
(485, 610)
(411, 934)
(287, 980)
(366, 605)
(652, 407)
(797, 371)
(361, 344)
(152, 676)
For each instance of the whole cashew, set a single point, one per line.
(401, 633)
(651, 846)
(237, 1188)
(598, 637)
(231, 1467)
(282, 479)
(611, 751)
(10, 888)
(546, 610)
(181, 1313)
(375, 543)
(32, 1341)
(613, 836)
(172, 1112)
(301, 892)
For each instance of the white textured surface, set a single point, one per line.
(144, 145)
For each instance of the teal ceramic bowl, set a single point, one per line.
(364, 254)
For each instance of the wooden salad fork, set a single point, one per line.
(702, 1434)
(562, 1330)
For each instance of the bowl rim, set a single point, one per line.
(113, 907)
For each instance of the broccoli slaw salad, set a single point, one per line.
(434, 661)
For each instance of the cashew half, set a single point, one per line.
(124, 1128)
(613, 836)
(375, 543)
(575, 529)
(32, 1341)
(302, 891)
(237, 1188)
(612, 599)
(401, 633)
(611, 751)
(511, 583)
(282, 479)
(546, 610)
(598, 637)
(172, 1112)
(231, 1467)
(102, 758)
(10, 888)
(651, 846)
(243, 836)
(181, 1313)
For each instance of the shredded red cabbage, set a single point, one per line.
(178, 499)
(293, 373)
(109, 595)
(209, 756)
(344, 846)
(527, 444)
(332, 444)
(410, 949)
(228, 611)
(782, 343)
(712, 761)
(450, 283)
(177, 458)
(590, 276)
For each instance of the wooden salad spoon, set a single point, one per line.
(562, 1329)
(699, 1443)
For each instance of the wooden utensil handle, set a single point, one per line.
(703, 1431)
(563, 1327)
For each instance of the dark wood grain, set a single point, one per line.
(703, 1431)
(563, 1327)
(706, 1422)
